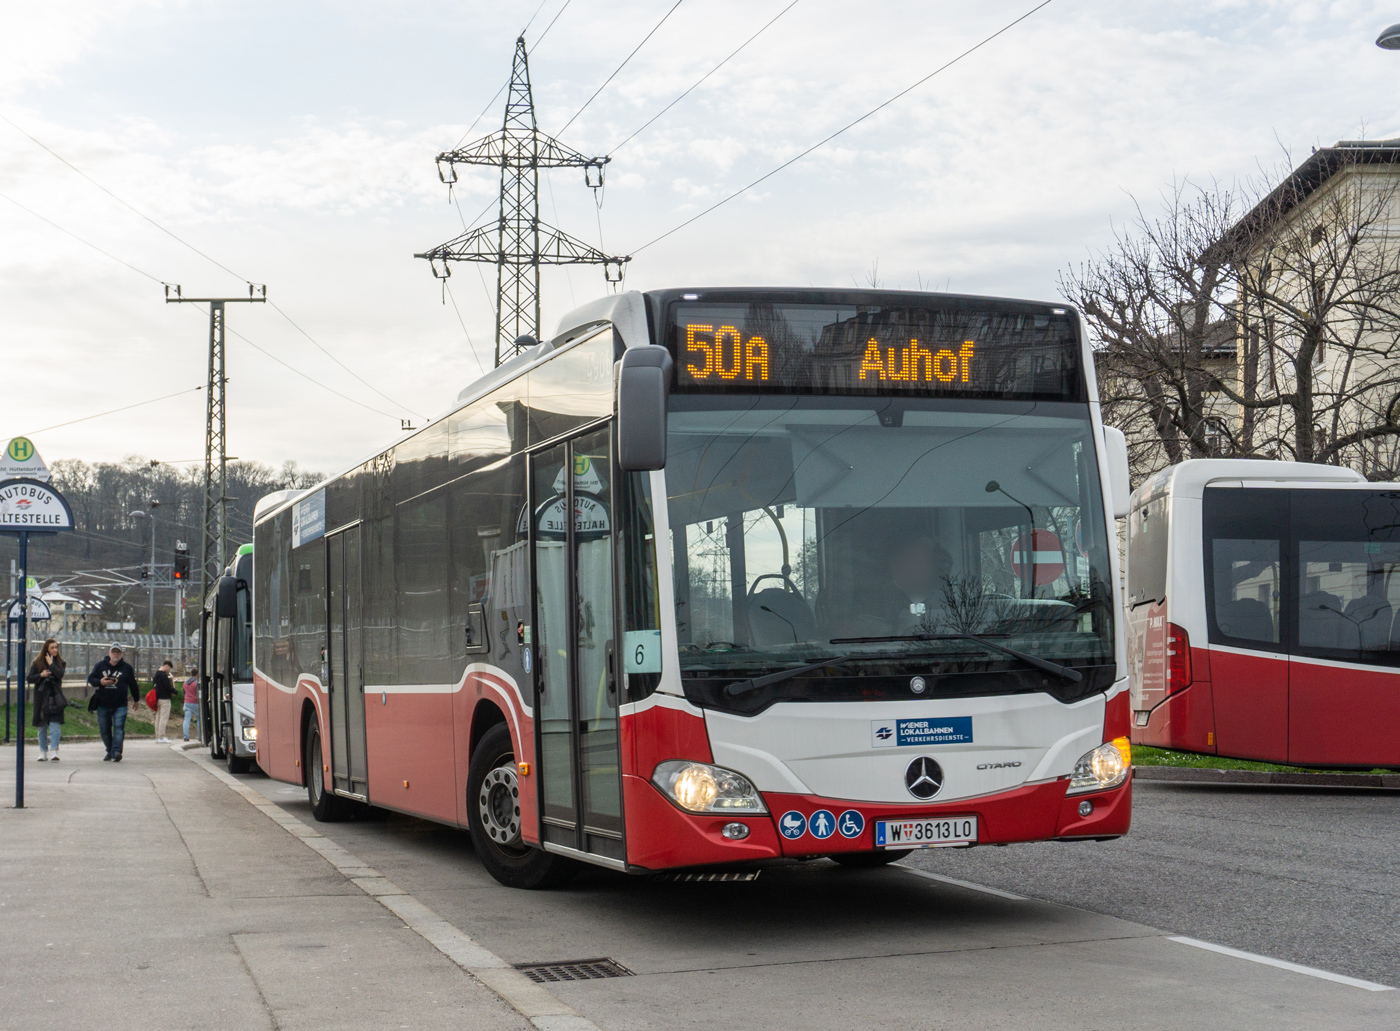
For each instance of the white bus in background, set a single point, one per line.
(1263, 612)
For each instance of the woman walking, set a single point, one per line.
(46, 674)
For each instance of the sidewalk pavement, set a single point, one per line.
(147, 895)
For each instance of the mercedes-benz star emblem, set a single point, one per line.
(923, 778)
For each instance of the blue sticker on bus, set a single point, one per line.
(948, 730)
(792, 825)
(822, 824)
(850, 824)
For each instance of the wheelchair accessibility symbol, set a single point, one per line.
(851, 824)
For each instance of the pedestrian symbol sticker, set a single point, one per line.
(822, 824)
(792, 825)
(851, 824)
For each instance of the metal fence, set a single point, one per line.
(83, 649)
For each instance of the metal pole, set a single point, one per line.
(23, 640)
(151, 583)
(8, 670)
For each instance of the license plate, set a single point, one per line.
(944, 831)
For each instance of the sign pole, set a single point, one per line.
(19, 664)
(8, 670)
(27, 505)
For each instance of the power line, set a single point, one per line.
(497, 94)
(309, 379)
(702, 78)
(542, 35)
(622, 66)
(196, 250)
(533, 17)
(333, 358)
(85, 243)
(113, 411)
(122, 202)
(448, 287)
(849, 125)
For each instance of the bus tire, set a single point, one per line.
(493, 818)
(869, 860)
(236, 763)
(325, 805)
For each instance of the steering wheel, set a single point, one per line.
(787, 582)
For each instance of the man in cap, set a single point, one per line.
(111, 679)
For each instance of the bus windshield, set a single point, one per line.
(883, 531)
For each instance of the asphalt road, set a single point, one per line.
(815, 946)
(1303, 875)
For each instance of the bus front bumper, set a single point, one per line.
(661, 836)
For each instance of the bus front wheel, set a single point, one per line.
(326, 806)
(493, 805)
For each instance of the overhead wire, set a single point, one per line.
(471, 344)
(849, 125)
(85, 243)
(112, 411)
(386, 397)
(119, 200)
(196, 250)
(620, 67)
(702, 78)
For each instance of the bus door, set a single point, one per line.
(574, 649)
(345, 689)
(1245, 540)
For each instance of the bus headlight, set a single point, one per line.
(700, 788)
(1105, 767)
(247, 727)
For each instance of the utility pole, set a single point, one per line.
(517, 243)
(213, 546)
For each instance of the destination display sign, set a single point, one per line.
(840, 349)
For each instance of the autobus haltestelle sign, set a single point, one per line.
(33, 506)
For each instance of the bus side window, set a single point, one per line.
(1244, 532)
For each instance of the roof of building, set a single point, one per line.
(1300, 184)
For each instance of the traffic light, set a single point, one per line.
(182, 561)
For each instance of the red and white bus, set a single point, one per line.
(715, 577)
(1262, 613)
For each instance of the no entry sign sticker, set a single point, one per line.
(1043, 552)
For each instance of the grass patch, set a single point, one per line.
(1146, 756)
(78, 722)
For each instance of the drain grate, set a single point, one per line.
(573, 970)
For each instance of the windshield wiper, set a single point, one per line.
(1064, 672)
(755, 683)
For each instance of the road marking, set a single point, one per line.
(1269, 961)
(545, 1010)
(965, 884)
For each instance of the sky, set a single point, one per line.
(293, 145)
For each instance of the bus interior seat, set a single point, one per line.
(1366, 624)
(778, 616)
(1320, 620)
(1248, 618)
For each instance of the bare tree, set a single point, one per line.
(1256, 323)
(1159, 304)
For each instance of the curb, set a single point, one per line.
(1265, 778)
(535, 1002)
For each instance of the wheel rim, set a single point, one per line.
(317, 783)
(498, 806)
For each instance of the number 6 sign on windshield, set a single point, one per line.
(641, 651)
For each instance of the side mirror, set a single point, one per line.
(226, 600)
(643, 393)
(1116, 452)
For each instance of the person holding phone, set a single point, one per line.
(112, 679)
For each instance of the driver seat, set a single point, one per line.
(778, 616)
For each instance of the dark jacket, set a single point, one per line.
(113, 696)
(165, 687)
(49, 703)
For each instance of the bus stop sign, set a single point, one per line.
(1046, 557)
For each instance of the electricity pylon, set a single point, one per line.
(518, 243)
(213, 542)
